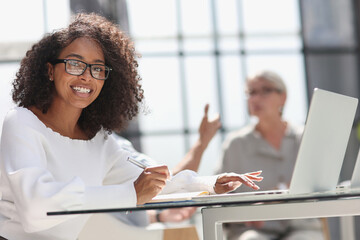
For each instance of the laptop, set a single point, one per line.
(322, 149)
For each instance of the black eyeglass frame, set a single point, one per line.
(107, 69)
(263, 91)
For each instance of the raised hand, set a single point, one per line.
(230, 181)
(150, 182)
(208, 129)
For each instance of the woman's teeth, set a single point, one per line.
(81, 89)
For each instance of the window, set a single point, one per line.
(198, 52)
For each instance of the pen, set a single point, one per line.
(142, 163)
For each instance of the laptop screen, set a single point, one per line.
(324, 141)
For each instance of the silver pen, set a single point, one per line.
(140, 162)
(143, 163)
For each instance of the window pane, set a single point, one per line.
(198, 44)
(13, 51)
(157, 46)
(231, 44)
(291, 69)
(162, 94)
(196, 18)
(7, 73)
(21, 20)
(152, 18)
(57, 14)
(227, 25)
(167, 149)
(227, 17)
(289, 42)
(233, 92)
(276, 16)
(200, 82)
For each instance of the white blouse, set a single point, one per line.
(42, 171)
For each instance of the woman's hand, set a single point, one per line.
(208, 129)
(230, 181)
(150, 182)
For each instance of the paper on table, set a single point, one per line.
(189, 181)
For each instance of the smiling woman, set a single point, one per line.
(110, 48)
(75, 90)
(61, 108)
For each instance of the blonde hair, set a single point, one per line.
(269, 76)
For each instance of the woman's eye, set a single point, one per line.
(74, 63)
(98, 69)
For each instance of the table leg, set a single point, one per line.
(214, 217)
(347, 228)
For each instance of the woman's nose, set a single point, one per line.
(86, 74)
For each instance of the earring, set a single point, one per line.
(281, 109)
(50, 79)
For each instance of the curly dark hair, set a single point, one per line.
(119, 98)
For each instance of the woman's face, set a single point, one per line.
(264, 100)
(77, 91)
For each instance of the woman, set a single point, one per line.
(74, 87)
(272, 144)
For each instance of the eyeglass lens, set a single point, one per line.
(76, 67)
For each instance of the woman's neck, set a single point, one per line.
(272, 131)
(65, 122)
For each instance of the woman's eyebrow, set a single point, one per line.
(82, 58)
(75, 55)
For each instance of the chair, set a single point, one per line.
(325, 228)
(105, 226)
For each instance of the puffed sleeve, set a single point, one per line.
(121, 170)
(34, 189)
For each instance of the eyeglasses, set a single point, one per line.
(262, 92)
(77, 68)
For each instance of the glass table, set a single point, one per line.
(217, 210)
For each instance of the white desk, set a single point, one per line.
(214, 217)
